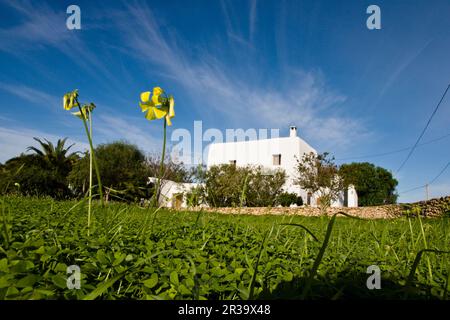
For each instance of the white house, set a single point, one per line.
(274, 153)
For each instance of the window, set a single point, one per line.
(233, 162)
(276, 159)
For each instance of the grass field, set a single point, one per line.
(132, 253)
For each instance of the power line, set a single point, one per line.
(394, 151)
(412, 189)
(431, 182)
(423, 131)
(440, 173)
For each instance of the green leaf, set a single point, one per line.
(288, 276)
(183, 290)
(230, 277)
(101, 288)
(118, 259)
(4, 265)
(174, 278)
(101, 256)
(129, 257)
(239, 271)
(45, 292)
(190, 282)
(27, 281)
(6, 280)
(152, 282)
(12, 291)
(41, 250)
(61, 267)
(59, 281)
(21, 266)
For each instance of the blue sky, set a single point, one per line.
(236, 64)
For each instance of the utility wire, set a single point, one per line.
(423, 131)
(412, 189)
(440, 173)
(431, 182)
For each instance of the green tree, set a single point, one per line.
(122, 169)
(42, 173)
(374, 185)
(318, 174)
(57, 157)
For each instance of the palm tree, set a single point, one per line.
(56, 157)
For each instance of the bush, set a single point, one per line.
(285, 199)
(30, 175)
(230, 186)
(123, 172)
(194, 197)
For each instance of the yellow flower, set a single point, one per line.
(84, 110)
(70, 100)
(157, 107)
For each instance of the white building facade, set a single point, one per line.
(275, 153)
(173, 194)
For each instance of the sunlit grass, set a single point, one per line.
(202, 255)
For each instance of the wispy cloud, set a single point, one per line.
(113, 128)
(43, 27)
(31, 95)
(252, 20)
(300, 97)
(405, 62)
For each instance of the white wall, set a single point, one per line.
(169, 189)
(352, 197)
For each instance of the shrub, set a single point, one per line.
(31, 175)
(194, 197)
(229, 186)
(285, 199)
(123, 172)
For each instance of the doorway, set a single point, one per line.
(177, 201)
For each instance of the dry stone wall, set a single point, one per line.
(432, 208)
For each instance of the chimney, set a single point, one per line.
(292, 131)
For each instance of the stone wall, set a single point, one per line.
(431, 208)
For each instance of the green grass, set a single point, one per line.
(191, 255)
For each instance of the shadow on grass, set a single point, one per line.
(348, 285)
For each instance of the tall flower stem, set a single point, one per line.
(161, 166)
(93, 155)
(90, 174)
